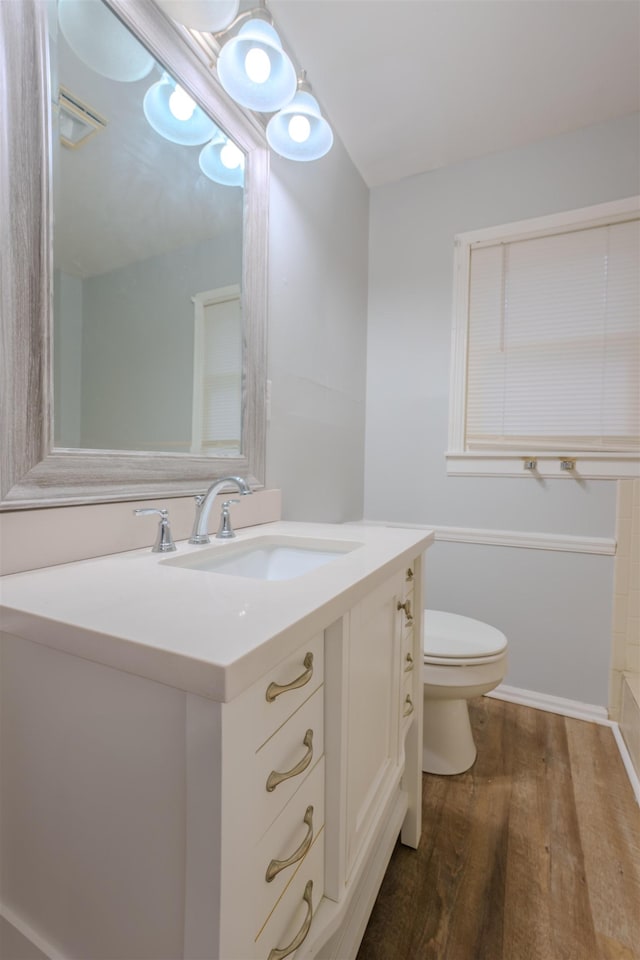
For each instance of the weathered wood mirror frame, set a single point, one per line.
(32, 473)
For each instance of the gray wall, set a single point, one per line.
(317, 336)
(137, 347)
(555, 608)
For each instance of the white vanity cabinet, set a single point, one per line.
(272, 805)
(369, 675)
(373, 774)
(148, 813)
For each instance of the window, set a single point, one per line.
(217, 373)
(546, 346)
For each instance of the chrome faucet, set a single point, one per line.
(203, 506)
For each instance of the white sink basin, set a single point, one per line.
(265, 558)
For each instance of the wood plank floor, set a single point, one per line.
(533, 854)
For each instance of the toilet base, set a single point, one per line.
(448, 746)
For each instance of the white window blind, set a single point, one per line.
(553, 348)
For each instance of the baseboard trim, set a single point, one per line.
(565, 543)
(544, 701)
(576, 711)
(29, 934)
(634, 780)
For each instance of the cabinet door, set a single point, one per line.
(372, 689)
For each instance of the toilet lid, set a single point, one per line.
(450, 635)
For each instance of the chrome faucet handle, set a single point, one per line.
(225, 530)
(164, 541)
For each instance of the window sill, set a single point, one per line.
(587, 466)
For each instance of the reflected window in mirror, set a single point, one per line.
(148, 205)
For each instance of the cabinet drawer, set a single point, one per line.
(290, 834)
(285, 761)
(292, 919)
(280, 692)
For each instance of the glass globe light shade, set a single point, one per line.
(101, 41)
(299, 131)
(162, 104)
(203, 15)
(222, 161)
(244, 74)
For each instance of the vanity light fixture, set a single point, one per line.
(299, 131)
(222, 161)
(97, 37)
(254, 69)
(175, 115)
(203, 15)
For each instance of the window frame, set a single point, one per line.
(200, 302)
(464, 462)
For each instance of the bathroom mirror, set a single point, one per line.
(134, 296)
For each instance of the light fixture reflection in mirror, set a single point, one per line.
(175, 115)
(148, 268)
(102, 42)
(222, 161)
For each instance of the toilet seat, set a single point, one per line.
(454, 640)
(461, 661)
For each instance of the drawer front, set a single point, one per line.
(283, 763)
(292, 919)
(289, 838)
(285, 688)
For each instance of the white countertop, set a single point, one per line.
(208, 633)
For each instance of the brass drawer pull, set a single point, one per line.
(275, 778)
(409, 576)
(409, 662)
(276, 866)
(408, 707)
(275, 689)
(279, 953)
(406, 606)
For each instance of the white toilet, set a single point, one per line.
(463, 658)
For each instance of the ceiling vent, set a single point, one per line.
(77, 122)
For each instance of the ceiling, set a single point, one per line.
(127, 194)
(413, 85)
